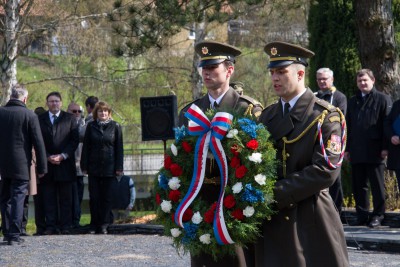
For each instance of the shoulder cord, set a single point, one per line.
(249, 109)
(343, 142)
(318, 119)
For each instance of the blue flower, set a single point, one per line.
(190, 232)
(163, 181)
(180, 133)
(252, 194)
(249, 127)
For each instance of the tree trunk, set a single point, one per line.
(8, 74)
(376, 43)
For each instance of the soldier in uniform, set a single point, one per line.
(217, 63)
(307, 131)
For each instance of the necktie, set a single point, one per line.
(286, 109)
(54, 118)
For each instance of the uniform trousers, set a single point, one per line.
(12, 197)
(362, 173)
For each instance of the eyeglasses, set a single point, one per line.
(75, 111)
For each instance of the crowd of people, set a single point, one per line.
(308, 131)
(47, 154)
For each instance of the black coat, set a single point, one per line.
(365, 119)
(62, 137)
(20, 131)
(335, 98)
(102, 152)
(393, 161)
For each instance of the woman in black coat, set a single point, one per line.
(102, 160)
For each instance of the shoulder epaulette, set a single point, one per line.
(251, 100)
(325, 105)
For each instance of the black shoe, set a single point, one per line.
(376, 221)
(17, 241)
(103, 230)
(49, 232)
(65, 232)
(91, 231)
(24, 234)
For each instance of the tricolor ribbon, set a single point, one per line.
(209, 136)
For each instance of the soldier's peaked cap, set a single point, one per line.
(212, 52)
(282, 54)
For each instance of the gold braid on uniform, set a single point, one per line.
(320, 118)
(249, 109)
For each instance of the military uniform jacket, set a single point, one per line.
(306, 231)
(393, 160)
(365, 120)
(335, 98)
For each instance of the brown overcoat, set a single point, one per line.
(231, 102)
(307, 230)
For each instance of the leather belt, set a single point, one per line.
(212, 180)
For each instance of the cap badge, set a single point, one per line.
(274, 51)
(204, 50)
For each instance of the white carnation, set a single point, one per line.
(237, 188)
(205, 239)
(174, 150)
(174, 183)
(232, 133)
(248, 211)
(175, 232)
(255, 157)
(166, 206)
(260, 179)
(196, 218)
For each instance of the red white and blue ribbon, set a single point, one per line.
(343, 145)
(210, 135)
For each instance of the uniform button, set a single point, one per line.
(287, 155)
(290, 205)
(287, 218)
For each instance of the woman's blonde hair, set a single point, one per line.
(103, 106)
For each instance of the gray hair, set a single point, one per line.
(18, 92)
(325, 70)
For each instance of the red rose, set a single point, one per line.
(237, 214)
(235, 162)
(209, 216)
(240, 171)
(173, 216)
(187, 147)
(187, 216)
(229, 202)
(167, 162)
(174, 195)
(158, 199)
(252, 144)
(235, 150)
(175, 169)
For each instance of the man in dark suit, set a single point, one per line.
(217, 63)
(328, 92)
(367, 147)
(307, 134)
(20, 132)
(60, 134)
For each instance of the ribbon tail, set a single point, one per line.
(220, 229)
(197, 180)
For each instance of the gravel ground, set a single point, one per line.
(93, 250)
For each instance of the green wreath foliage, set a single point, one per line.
(251, 161)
